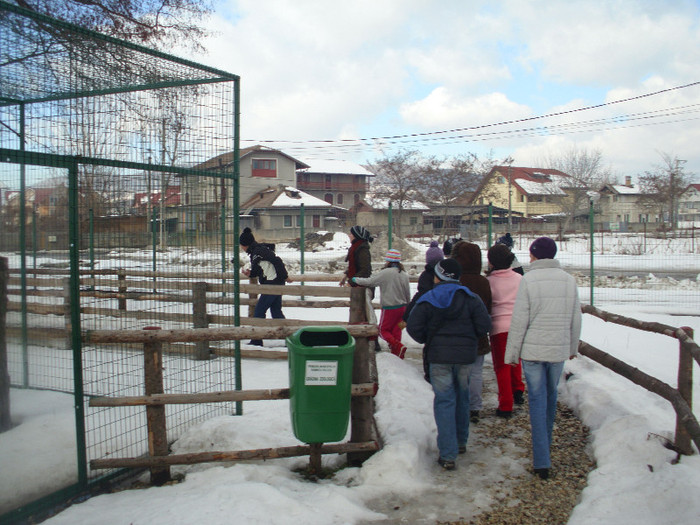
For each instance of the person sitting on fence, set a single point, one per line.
(394, 288)
(544, 330)
(449, 320)
(269, 269)
(507, 240)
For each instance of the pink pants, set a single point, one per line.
(389, 329)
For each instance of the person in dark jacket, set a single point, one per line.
(468, 255)
(433, 255)
(507, 240)
(449, 320)
(269, 269)
(358, 258)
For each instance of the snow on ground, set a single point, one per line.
(635, 480)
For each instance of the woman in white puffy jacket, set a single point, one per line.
(544, 331)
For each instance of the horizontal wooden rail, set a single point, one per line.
(236, 455)
(210, 334)
(365, 389)
(650, 383)
(659, 328)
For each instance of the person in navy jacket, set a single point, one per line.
(449, 320)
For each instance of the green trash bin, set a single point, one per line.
(320, 382)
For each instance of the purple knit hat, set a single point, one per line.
(434, 254)
(543, 248)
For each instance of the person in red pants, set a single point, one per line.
(504, 284)
(395, 293)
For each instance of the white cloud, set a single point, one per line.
(443, 109)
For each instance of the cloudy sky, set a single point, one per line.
(361, 79)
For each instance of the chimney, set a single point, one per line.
(628, 181)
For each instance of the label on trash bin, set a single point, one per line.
(321, 373)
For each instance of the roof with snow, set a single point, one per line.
(342, 167)
(381, 203)
(533, 181)
(623, 189)
(282, 197)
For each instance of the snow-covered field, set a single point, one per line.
(636, 480)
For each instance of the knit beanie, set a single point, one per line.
(246, 238)
(448, 270)
(433, 254)
(361, 232)
(500, 256)
(543, 248)
(506, 239)
(393, 256)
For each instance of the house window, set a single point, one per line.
(329, 182)
(356, 198)
(340, 198)
(264, 168)
(317, 221)
(413, 221)
(287, 221)
(501, 180)
(328, 197)
(187, 198)
(522, 198)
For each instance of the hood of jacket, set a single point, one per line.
(442, 295)
(468, 255)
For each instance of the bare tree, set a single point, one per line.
(662, 186)
(397, 179)
(446, 181)
(158, 23)
(586, 171)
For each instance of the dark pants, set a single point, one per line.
(265, 303)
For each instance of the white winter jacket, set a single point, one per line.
(546, 321)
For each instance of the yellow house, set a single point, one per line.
(530, 191)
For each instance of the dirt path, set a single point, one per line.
(493, 483)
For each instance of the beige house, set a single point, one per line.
(620, 207)
(274, 213)
(689, 207)
(373, 213)
(527, 192)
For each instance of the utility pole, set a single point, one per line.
(509, 161)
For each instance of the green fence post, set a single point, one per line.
(34, 239)
(91, 221)
(78, 386)
(391, 222)
(154, 240)
(302, 240)
(591, 222)
(223, 250)
(490, 223)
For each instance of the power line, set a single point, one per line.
(413, 136)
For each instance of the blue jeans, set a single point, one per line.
(476, 383)
(269, 302)
(451, 407)
(542, 380)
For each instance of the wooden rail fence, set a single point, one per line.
(681, 398)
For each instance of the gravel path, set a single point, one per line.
(493, 483)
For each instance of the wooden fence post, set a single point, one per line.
(200, 319)
(121, 275)
(685, 388)
(5, 419)
(155, 415)
(361, 409)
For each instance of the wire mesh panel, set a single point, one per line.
(105, 229)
